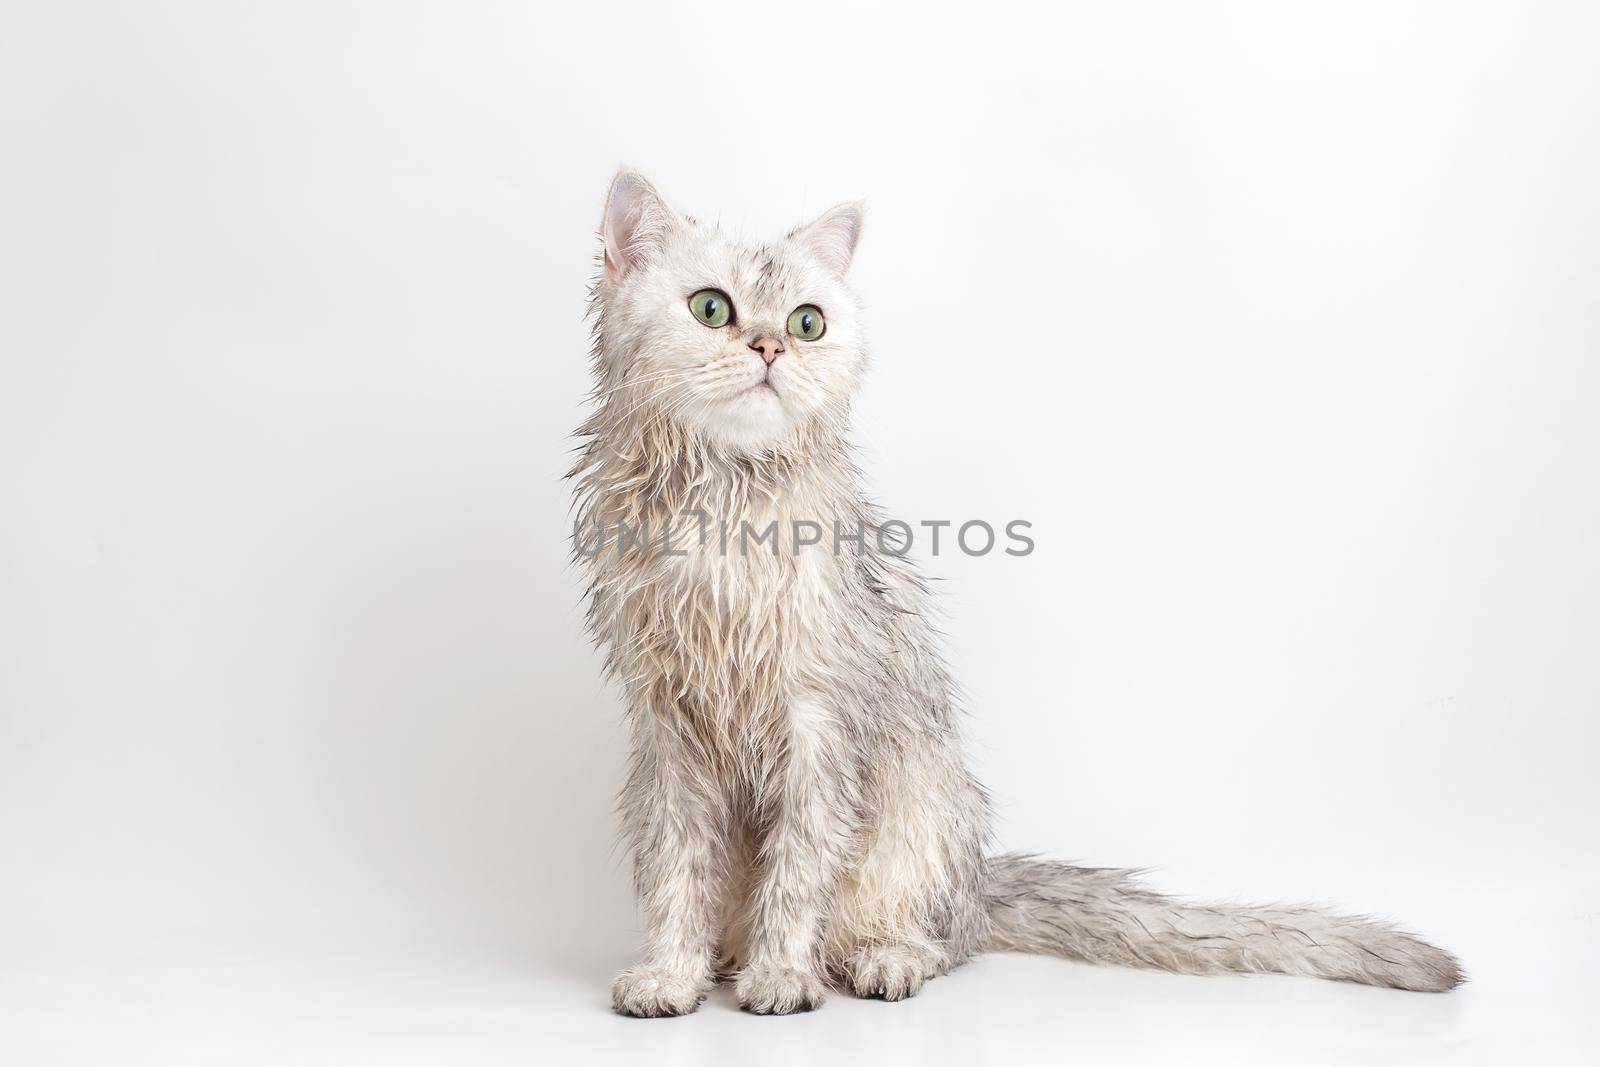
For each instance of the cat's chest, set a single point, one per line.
(735, 609)
(737, 581)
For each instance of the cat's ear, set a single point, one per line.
(636, 225)
(832, 237)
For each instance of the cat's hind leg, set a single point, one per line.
(886, 934)
(892, 970)
(880, 943)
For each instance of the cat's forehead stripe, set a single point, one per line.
(759, 274)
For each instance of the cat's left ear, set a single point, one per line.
(832, 237)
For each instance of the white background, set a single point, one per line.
(1278, 321)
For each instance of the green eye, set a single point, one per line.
(806, 322)
(711, 307)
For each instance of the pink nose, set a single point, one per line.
(769, 347)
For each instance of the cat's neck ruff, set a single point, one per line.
(659, 469)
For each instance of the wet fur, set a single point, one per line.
(798, 806)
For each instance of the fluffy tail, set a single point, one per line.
(1101, 915)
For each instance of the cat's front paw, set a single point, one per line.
(654, 993)
(778, 990)
(889, 972)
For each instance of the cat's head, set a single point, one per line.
(744, 346)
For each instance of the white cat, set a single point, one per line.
(798, 805)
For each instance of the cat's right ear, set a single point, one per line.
(636, 224)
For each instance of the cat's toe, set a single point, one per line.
(778, 990)
(654, 993)
(889, 972)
